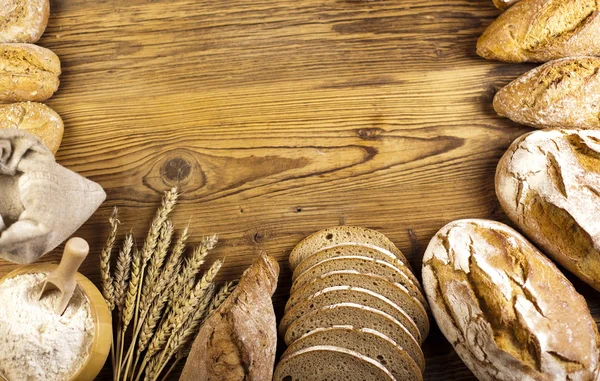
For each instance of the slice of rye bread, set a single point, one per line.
(341, 234)
(368, 343)
(354, 250)
(393, 291)
(364, 265)
(347, 294)
(327, 362)
(357, 316)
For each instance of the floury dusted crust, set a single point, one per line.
(508, 311)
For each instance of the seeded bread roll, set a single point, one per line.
(342, 234)
(543, 30)
(28, 73)
(378, 284)
(326, 362)
(35, 118)
(548, 182)
(368, 343)
(347, 294)
(357, 316)
(508, 311)
(23, 20)
(365, 265)
(560, 94)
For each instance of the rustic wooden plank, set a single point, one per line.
(277, 119)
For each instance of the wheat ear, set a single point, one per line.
(123, 271)
(108, 290)
(222, 295)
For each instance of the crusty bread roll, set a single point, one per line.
(543, 30)
(35, 118)
(548, 182)
(29, 73)
(509, 312)
(563, 93)
(23, 20)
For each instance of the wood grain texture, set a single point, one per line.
(277, 119)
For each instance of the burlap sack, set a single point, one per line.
(41, 202)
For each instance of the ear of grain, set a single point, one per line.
(108, 288)
(168, 204)
(132, 290)
(123, 271)
(222, 295)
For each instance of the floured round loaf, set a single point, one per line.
(23, 20)
(378, 284)
(548, 182)
(559, 94)
(342, 234)
(347, 294)
(357, 316)
(327, 362)
(509, 312)
(368, 343)
(35, 118)
(362, 264)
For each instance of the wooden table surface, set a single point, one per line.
(279, 118)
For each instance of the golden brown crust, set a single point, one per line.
(504, 4)
(508, 311)
(35, 118)
(29, 73)
(563, 93)
(23, 21)
(543, 30)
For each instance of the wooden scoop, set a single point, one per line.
(63, 278)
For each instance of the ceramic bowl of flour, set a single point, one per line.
(99, 329)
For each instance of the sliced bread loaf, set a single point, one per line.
(364, 265)
(341, 234)
(347, 294)
(368, 343)
(326, 362)
(392, 291)
(344, 250)
(357, 316)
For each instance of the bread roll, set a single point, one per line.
(508, 311)
(35, 118)
(504, 4)
(548, 182)
(543, 30)
(23, 20)
(29, 73)
(559, 94)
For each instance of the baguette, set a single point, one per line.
(559, 94)
(35, 118)
(543, 30)
(23, 20)
(508, 311)
(548, 183)
(28, 73)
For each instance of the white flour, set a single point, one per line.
(35, 343)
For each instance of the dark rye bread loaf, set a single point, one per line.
(543, 30)
(362, 264)
(378, 284)
(327, 362)
(564, 93)
(353, 250)
(342, 234)
(368, 343)
(347, 294)
(357, 316)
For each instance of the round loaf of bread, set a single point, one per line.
(368, 343)
(362, 264)
(35, 118)
(375, 283)
(327, 362)
(23, 20)
(357, 316)
(342, 234)
(347, 294)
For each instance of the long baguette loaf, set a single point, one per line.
(508, 311)
(543, 30)
(23, 20)
(548, 182)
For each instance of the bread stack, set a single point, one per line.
(29, 72)
(356, 310)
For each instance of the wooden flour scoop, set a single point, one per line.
(63, 278)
